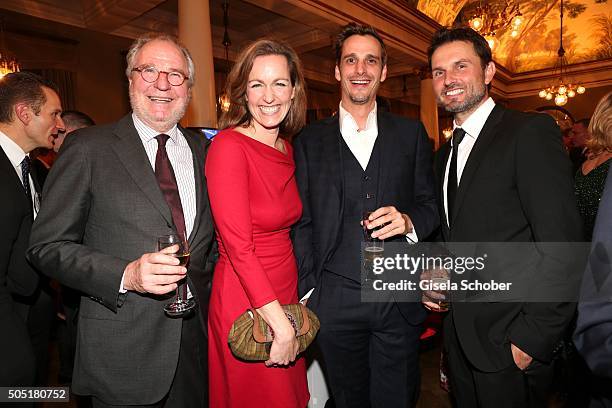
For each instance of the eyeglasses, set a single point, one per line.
(151, 74)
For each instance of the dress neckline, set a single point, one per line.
(269, 151)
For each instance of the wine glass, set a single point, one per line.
(181, 305)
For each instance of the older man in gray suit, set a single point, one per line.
(107, 199)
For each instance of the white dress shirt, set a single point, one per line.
(472, 126)
(16, 155)
(181, 158)
(361, 142)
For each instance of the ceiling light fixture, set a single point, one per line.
(561, 91)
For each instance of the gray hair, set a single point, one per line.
(153, 36)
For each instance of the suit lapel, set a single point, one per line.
(486, 136)
(385, 140)
(332, 157)
(198, 173)
(6, 167)
(332, 154)
(443, 155)
(131, 153)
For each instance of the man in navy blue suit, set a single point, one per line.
(362, 159)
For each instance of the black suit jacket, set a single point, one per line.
(102, 209)
(17, 277)
(406, 182)
(516, 186)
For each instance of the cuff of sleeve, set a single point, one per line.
(412, 237)
(121, 288)
(257, 303)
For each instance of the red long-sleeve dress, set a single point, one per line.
(254, 201)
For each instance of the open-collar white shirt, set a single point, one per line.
(360, 142)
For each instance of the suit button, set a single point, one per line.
(367, 178)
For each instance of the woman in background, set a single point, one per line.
(591, 177)
(254, 201)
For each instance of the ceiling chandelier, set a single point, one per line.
(8, 63)
(223, 102)
(559, 90)
(489, 20)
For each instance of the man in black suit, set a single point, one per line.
(578, 134)
(29, 117)
(129, 183)
(362, 159)
(508, 180)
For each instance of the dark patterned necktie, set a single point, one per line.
(25, 177)
(167, 184)
(452, 184)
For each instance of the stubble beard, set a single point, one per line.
(363, 99)
(470, 103)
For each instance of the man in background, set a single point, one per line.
(578, 134)
(30, 111)
(73, 120)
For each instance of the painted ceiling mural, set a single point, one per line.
(587, 30)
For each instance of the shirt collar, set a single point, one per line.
(475, 122)
(348, 123)
(147, 133)
(12, 150)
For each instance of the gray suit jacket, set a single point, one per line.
(103, 208)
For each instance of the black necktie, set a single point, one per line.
(25, 177)
(167, 183)
(451, 186)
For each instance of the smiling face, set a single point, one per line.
(360, 71)
(269, 92)
(43, 127)
(158, 104)
(459, 81)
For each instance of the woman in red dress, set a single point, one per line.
(254, 200)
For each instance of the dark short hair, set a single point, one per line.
(352, 29)
(76, 119)
(448, 35)
(238, 78)
(22, 87)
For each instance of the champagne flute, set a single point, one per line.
(181, 305)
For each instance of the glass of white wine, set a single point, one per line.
(180, 306)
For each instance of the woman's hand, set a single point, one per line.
(285, 345)
(284, 348)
